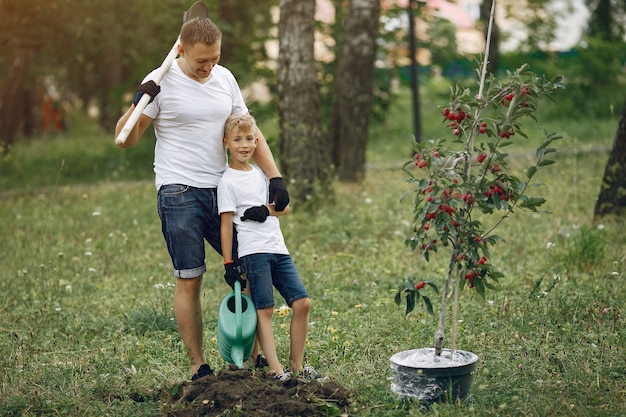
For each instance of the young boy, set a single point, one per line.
(242, 196)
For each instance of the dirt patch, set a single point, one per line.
(244, 392)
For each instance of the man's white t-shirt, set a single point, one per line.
(240, 190)
(189, 122)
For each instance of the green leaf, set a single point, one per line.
(429, 305)
(532, 203)
(532, 170)
(410, 302)
(546, 162)
(433, 286)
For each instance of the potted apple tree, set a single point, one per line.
(463, 188)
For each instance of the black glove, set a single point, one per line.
(232, 275)
(149, 87)
(278, 192)
(256, 213)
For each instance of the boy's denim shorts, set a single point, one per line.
(189, 216)
(265, 271)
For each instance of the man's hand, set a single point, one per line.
(149, 87)
(278, 193)
(256, 213)
(232, 275)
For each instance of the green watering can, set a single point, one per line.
(236, 327)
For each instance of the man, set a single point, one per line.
(188, 111)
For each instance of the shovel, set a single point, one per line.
(198, 9)
(236, 327)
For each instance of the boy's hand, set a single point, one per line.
(256, 213)
(232, 275)
(278, 193)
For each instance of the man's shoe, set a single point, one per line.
(261, 362)
(203, 370)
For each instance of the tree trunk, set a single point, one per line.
(612, 197)
(16, 102)
(304, 160)
(348, 131)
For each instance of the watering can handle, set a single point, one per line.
(238, 311)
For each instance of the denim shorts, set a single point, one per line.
(265, 270)
(189, 216)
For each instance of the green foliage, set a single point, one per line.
(593, 75)
(456, 183)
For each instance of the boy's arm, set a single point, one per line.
(232, 273)
(226, 236)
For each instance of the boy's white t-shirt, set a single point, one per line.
(189, 122)
(240, 190)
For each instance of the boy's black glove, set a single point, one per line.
(256, 213)
(149, 87)
(279, 193)
(232, 275)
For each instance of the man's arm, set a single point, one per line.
(273, 211)
(138, 130)
(264, 158)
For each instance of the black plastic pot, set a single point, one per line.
(419, 375)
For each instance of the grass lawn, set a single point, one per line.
(86, 290)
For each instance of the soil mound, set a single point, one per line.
(247, 393)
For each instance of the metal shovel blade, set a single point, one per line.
(198, 9)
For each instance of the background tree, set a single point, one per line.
(534, 17)
(246, 27)
(607, 19)
(606, 27)
(612, 197)
(84, 51)
(304, 159)
(24, 28)
(352, 102)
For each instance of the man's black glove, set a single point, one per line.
(279, 193)
(256, 213)
(232, 275)
(149, 87)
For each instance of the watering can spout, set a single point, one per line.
(236, 354)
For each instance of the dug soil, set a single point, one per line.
(247, 393)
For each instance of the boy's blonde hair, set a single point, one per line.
(239, 121)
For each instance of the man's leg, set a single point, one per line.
(188, 311)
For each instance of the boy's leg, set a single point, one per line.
(188, 312)
(298, 330)
(265, 335)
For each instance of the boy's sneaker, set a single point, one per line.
(308, 372)
(284, 377)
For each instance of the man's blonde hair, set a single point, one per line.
(239, 121)
(200, 29)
